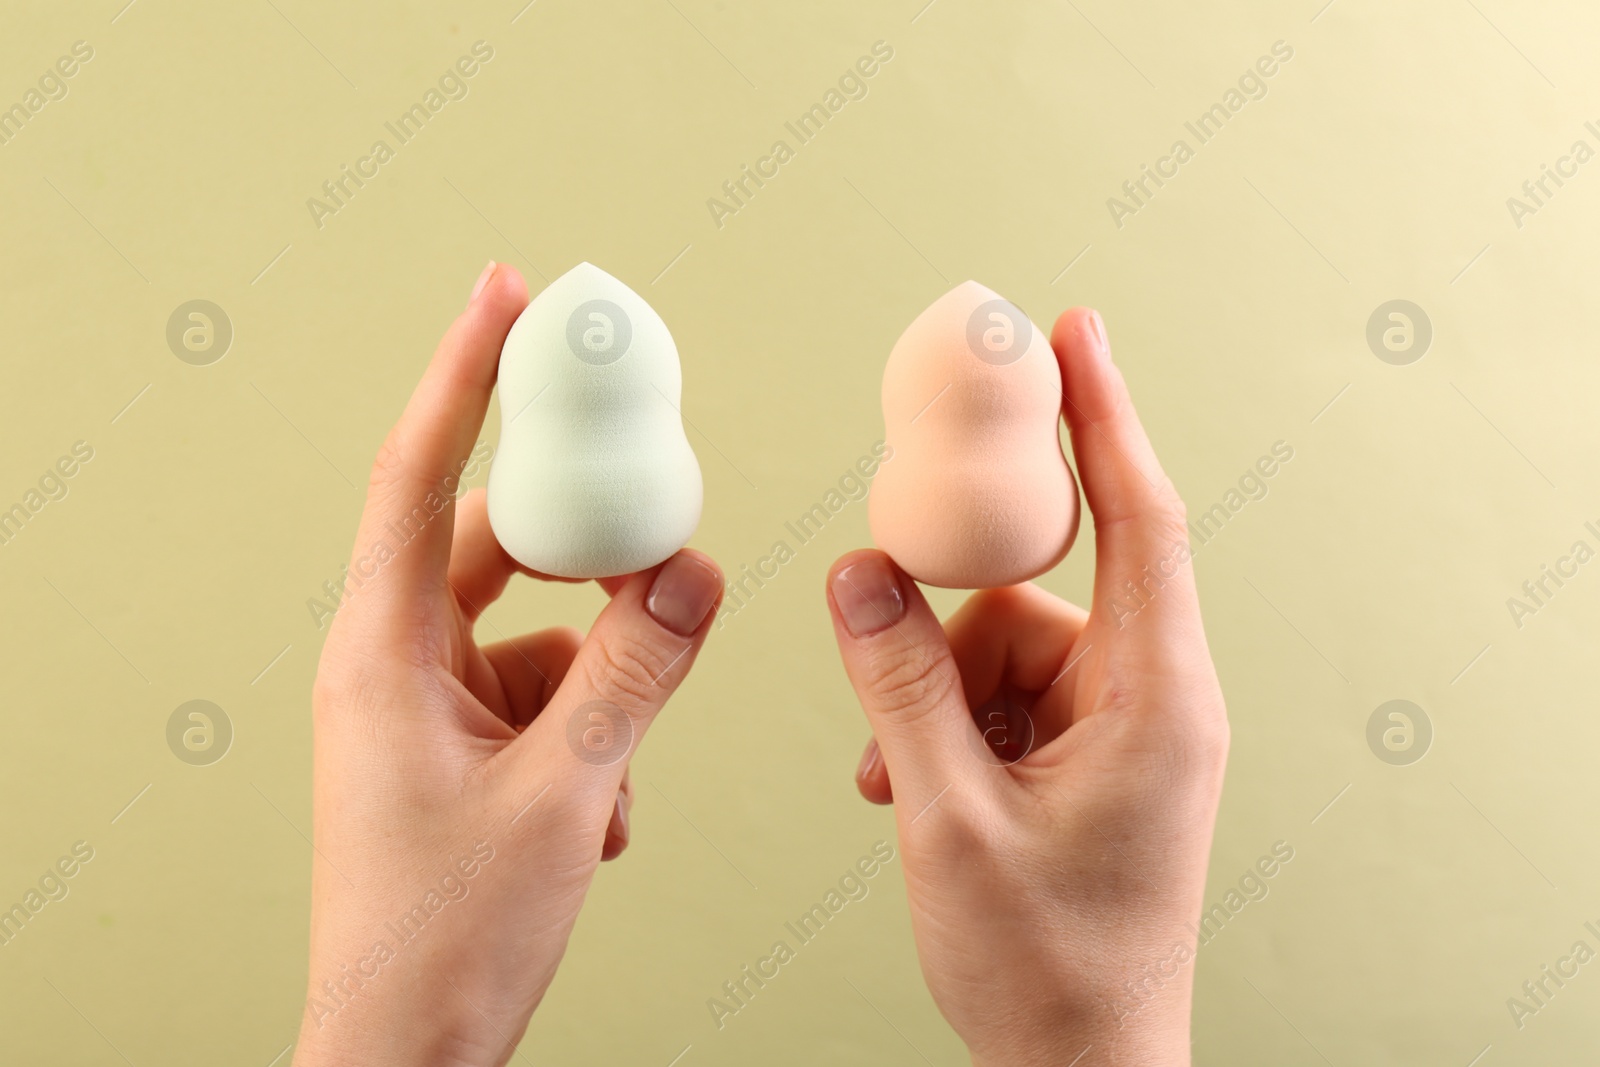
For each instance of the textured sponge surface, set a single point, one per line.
(977, 493)
(594, 475)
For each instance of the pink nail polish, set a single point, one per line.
(619, 819)
(682, 594)
(616, 831)
(869, 760)
(868, 596)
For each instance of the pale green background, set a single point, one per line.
(1377, 168)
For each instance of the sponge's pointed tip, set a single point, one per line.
(973, 292)
(586, 271)
(956, 306)
(960, 324)
(588, 278)
(584, 285)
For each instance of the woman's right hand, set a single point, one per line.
(1053, 896)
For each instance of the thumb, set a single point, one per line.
(637, 653)
(899, 662)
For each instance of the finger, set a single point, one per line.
(636, 655)
(411, 493)
(611, 585)
(1016, 648)
(1141, 536)
(895, 653)
(1019, 636)
(617, 829)
(479, 566)
(526, 671)
(872, 777)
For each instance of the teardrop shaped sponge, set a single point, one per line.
(594, 475)
(977, 493)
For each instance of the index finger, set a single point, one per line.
(1141, 532)
(411, 494)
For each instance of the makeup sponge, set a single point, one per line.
(977, 492)
(594, 476)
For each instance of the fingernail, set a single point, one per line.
(1102, 347)
(620, 819)
(869, 761)
(682, 594)
(868, 596)
(483, 280)
(616, 831)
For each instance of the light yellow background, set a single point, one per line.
(1419, 498)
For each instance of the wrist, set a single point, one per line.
(413, 1038)
(1148, 1033)
(397, 1017)
(1083, 1048)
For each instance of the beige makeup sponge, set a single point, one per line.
(594, 476)
(977, 492)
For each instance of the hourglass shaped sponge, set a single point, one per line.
(977, 493)
(594, 476)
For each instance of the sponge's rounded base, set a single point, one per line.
(982, 536)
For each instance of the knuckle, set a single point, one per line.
(388, 466)
(1196, 742)
(563, 809)
(1170, 505)
(627, 672)
(976, 829)
(391, 480)
(912, 682)
(964, 827)
(397, 478)
(344, 675)
(1209, 736)
(350, 694)
(1165, 513)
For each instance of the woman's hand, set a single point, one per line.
(1055, 773)
(464, 795)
